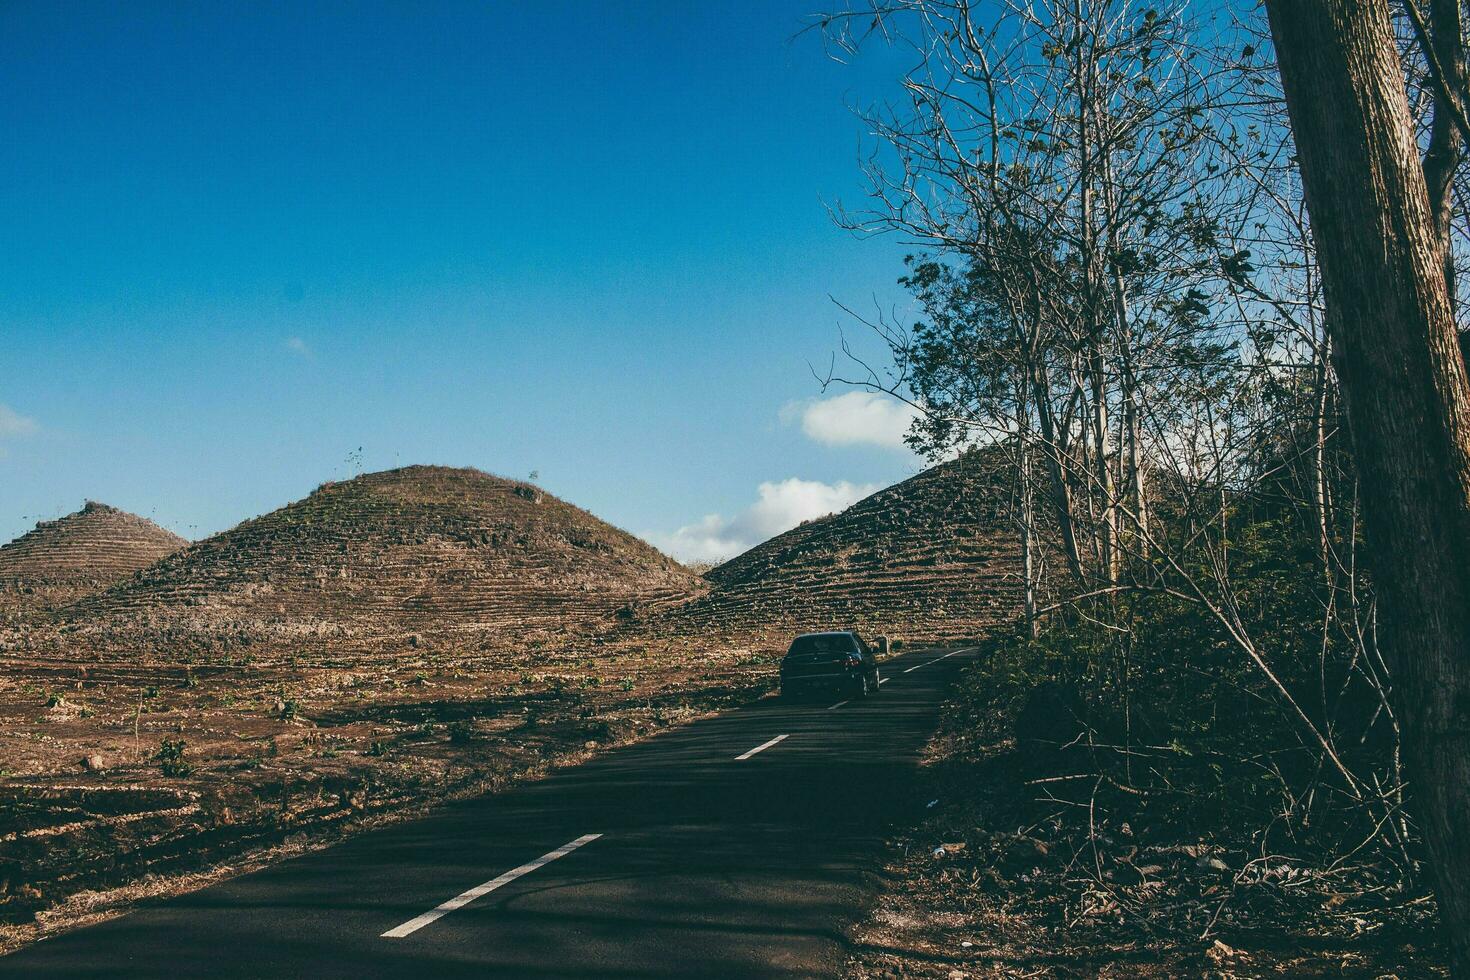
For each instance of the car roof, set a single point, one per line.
(828, 633)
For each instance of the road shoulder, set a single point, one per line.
(991, 883)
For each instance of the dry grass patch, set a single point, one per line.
(995, 884)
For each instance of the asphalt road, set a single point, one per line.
(709, 860)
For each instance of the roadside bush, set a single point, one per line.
(1143, 704)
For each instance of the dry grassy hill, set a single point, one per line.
(62, 560)
(417, 548)
(935, 556)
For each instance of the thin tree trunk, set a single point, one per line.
(1028, 547)
(1130, 470)
(1061, 490)
(1446, 147)
(1028, 539)
(1106, 524)
(1319, 466)
(1084, 68)
(1132, 422)
(1028, 517)
(1405, 389)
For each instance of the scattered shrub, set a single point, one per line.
(170, 758)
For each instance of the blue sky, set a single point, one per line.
(240, 241)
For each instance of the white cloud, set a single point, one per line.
(15, 425)
(780, 506)
(854, 418)
(298, 346)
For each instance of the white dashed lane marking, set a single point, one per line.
(934, 661)
(464, 898)
(759, 748)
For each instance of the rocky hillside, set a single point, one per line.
(388, 554)
(62, 560)
(935, 556)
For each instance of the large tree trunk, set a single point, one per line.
(1405, 390)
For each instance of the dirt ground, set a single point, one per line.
(996, 884)
(121, 781)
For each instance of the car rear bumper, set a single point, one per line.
(802, 681)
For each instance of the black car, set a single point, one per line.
(829, 661)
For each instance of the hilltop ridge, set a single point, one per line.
(395, 551)
(62, 560)
(935, 556)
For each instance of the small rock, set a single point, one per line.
(1219, 951)
(1022, 851)
(94, 763)
(1208, 862)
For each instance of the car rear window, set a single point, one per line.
(835, 643)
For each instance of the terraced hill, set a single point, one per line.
(418, 548)
(933, 557)
(62, 560)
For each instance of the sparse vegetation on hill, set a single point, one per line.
(62, 560)
(387, 555)
(934, 557)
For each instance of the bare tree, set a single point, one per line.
(1119, 286)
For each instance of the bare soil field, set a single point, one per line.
(124, 781)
